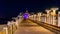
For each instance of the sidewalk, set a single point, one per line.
(32, 29)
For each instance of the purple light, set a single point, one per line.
(25, 16)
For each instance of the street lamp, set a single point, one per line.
(59, 19)
(54, 15)
(34, 16)
(6, 29)
(48, 16)
(48, 11)
(54, 11)
(39, 16)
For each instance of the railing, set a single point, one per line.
(12, 29)
(9, 29)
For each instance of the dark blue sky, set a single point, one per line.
(11, 8)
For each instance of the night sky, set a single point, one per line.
(11, 8)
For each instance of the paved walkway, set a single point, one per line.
(28, 27)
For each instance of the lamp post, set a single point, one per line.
(11, 26)
(45, 18)
(59, 19)
(48, 16)
(39, 16)
(34, 17)
(6, 29)
(31, 17)
(54, 15)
